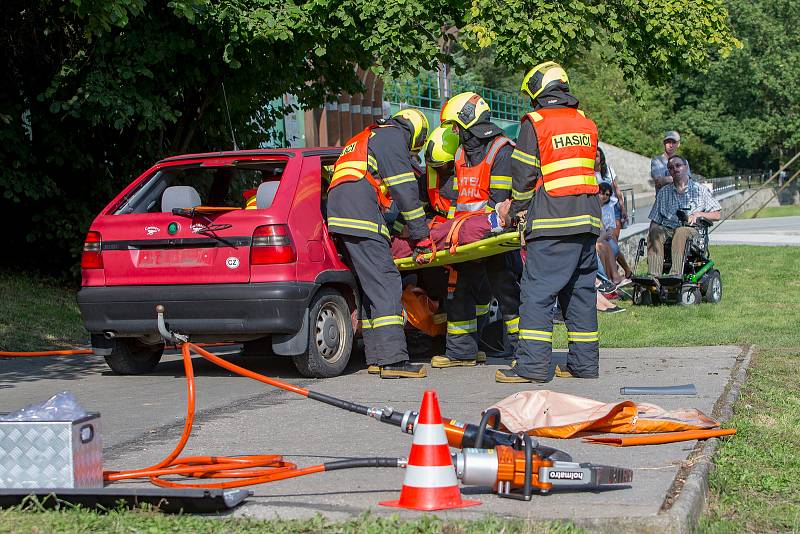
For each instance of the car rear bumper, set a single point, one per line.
(220, 309)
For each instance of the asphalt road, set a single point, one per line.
(142, 418)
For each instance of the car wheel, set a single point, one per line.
(714, 288)
(642, 296)
(131, 356)
(690, 295)
(330, 336)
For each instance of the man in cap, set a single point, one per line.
(658, 164)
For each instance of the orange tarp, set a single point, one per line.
(558, 415)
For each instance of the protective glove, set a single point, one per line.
(422, 247)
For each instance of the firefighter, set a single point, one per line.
(439, 153)
(373, 171)
(483, 179)
(554, 182)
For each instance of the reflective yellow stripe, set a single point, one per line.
(536, 335)
(513, 325)
(357, 224)
(567, 181)
(521, 195)
(462, 327)
(413, 214)
(387, 320)
(500, 182)
(588, 163)
(525, 158)
(451, 212)
(433, 178)
(397, 226)
(366, 323)
(481, 309)
(566, 222)
(581, 113)
(583, 337)
(372, 162)
(399, 179)
(536, 117)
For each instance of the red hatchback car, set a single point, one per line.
(235, 246)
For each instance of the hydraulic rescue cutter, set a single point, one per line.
(514, 465)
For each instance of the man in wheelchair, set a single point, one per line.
(679, 215)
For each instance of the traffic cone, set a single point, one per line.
(430, 482)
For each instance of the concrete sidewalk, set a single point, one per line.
(308, 432)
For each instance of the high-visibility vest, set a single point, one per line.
(474, 183)
(352, 165)
(438, 203)
(567, 148)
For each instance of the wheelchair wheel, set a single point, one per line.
(713, 292)
(690, 295)
(641, 296)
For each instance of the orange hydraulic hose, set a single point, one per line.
(247, 469)
(4, 354)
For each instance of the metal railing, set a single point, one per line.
(723, 184)
(629, 199)
(423, 92)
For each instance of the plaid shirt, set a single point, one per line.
(696, 198)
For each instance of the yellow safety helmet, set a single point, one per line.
(419, 123)
(441, 147)
(465, 109)
(542, 76)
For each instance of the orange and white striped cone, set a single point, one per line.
(430, 482)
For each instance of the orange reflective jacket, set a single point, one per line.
(352, 165)
(474, 182)
(438, 203)
(567, 148)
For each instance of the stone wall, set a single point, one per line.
(631, 168)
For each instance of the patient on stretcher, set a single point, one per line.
(473, 228)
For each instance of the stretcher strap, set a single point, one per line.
(451, 241)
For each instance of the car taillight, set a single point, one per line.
(92, 257)
(272, 244)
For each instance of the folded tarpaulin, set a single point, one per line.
(658, 439)
(558, 415)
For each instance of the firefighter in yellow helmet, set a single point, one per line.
(439, 154)
(374, 171)
(554, 182)
(482, 180)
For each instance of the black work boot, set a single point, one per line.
(404, 369)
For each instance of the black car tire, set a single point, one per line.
(131, 356)
(330, 336)
(713, 292)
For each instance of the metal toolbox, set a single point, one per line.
(51, 454)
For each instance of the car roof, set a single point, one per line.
(282, 152)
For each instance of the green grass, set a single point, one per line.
(38, 313)
(70, 519)
(772, 211)
(756, 483)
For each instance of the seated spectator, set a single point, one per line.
(607, 245)
(605, 173)
(683, 194)
(658, 165)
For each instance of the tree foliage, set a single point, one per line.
(748, 105)
(98, 89)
